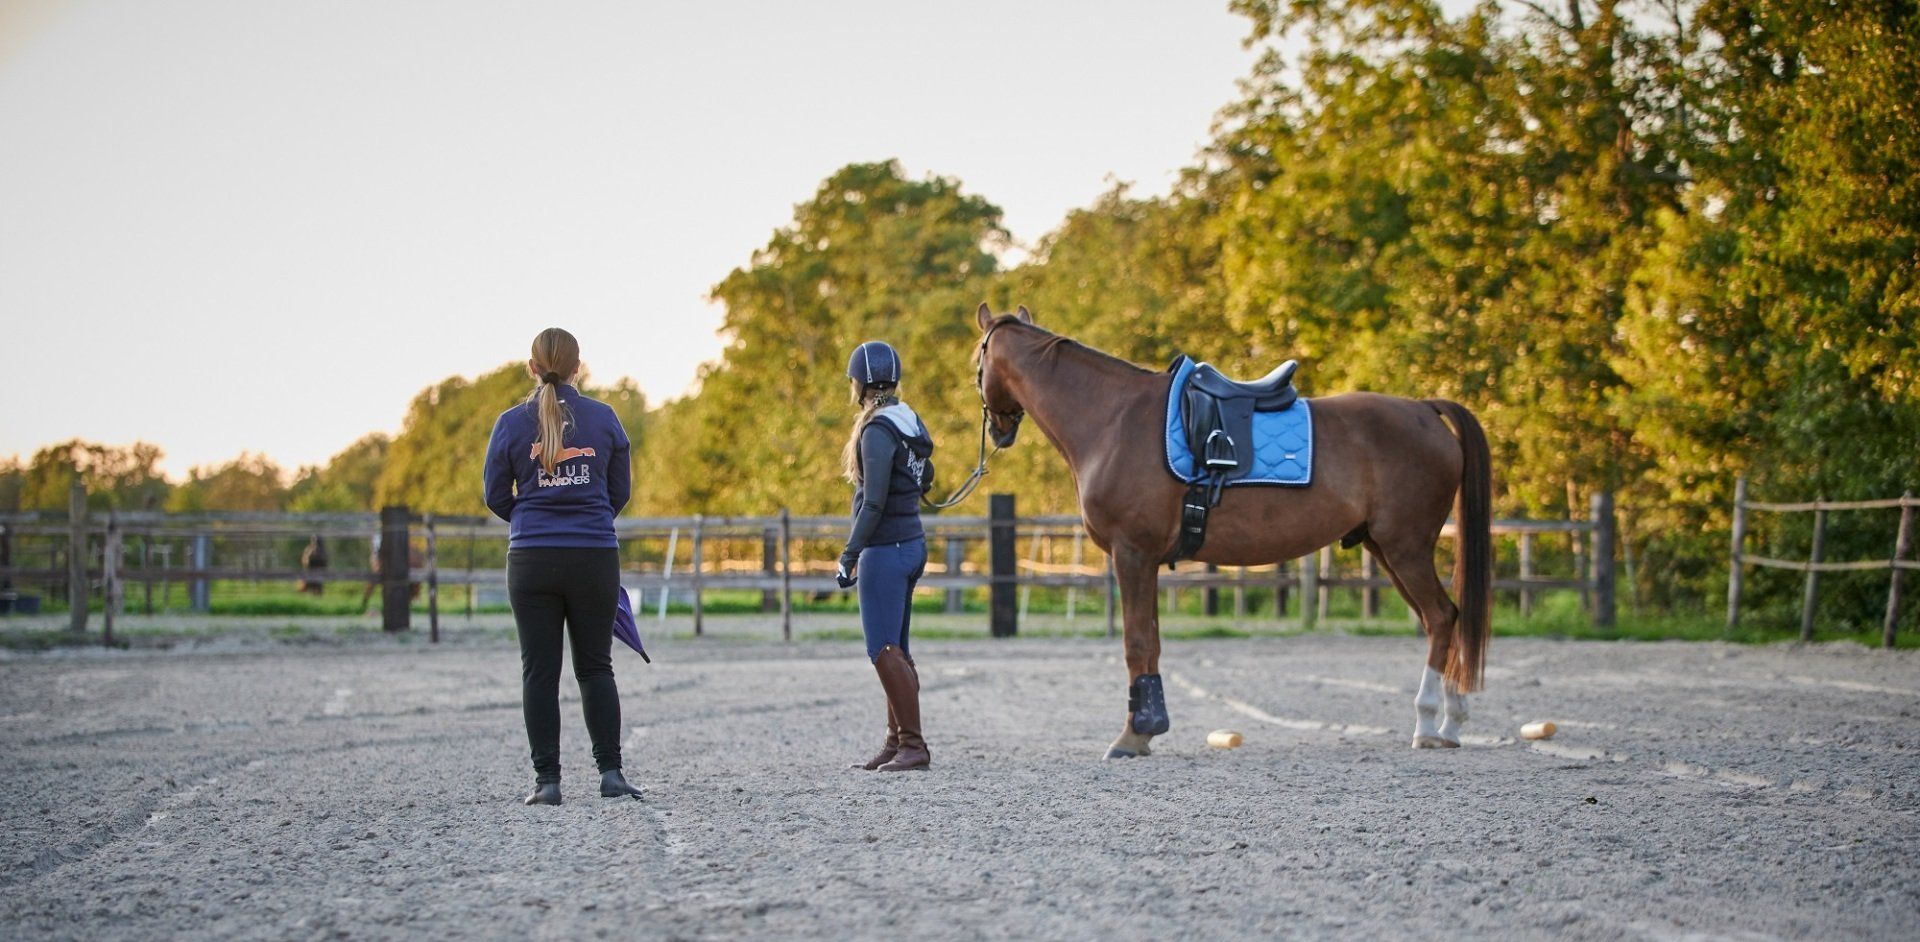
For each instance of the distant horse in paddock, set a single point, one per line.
(1386, 471)
(414, 561)
(313, 562)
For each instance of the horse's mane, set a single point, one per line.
(1054, 343)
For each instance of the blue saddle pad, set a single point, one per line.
(1282, 441)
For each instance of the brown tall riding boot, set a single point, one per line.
(902, 683)
(887, 750)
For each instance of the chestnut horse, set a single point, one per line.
(1387, 472)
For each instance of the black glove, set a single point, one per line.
(845, 574)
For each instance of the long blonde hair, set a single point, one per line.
(870, 399)
(556, 357)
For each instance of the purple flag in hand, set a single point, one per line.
(624, 627)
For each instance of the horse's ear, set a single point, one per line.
(985, 316)
(1025, 318)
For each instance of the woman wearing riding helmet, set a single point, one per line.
(889, 461)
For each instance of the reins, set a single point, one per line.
(966, 488)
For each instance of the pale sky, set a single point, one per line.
(266, 226)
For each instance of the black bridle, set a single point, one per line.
(987, 415)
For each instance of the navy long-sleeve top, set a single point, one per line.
(896, 467)
(576, 504)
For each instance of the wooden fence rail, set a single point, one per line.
(1816, 563)
(95, 547)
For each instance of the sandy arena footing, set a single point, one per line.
(370, 791)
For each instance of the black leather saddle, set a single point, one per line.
(1270, 393)
(1219, 416)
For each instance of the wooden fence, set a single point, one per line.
(426, 552)
(1817, 563)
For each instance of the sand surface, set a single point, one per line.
(370, 791)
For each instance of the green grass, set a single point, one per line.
(1555, 615)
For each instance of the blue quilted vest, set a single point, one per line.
(910, 476)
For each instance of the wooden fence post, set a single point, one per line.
(470, 572)
(1605, 614)
(1033, 556)
(1001, 541)
(1326, 571)
(1579, 549)
(396, 596)
(433, 584)
(146, 569)
(110, 589)
(956, 561)
(1902, 544)
(1369, 593)
(1812, 600)
(1526, 574)
(1079, 559)
(699, 547)
(1309, 590)
(199, 588)
(786, 574)
(769, 566)
(77, 594)
(1112, 594)
(1734, 572)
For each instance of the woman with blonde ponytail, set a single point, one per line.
(557, 471)
(889, 461)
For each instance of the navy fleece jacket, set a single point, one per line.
(575, 505)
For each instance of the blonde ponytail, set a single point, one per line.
(870, 399)
(556, 358)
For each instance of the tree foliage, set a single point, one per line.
(124, 478)
(1652, 243)
(346, 482)
(250, 482)
(873, 255)
(434, 465)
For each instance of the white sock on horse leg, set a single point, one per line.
(1455, 714)
(1426, 704)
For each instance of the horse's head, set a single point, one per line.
(1004, 411)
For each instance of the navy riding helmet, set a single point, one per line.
(875, 363)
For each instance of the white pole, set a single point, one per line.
(1026, 592)
(673, 545)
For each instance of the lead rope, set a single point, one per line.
(986, 419)
(973, 480)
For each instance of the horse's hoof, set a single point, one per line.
(1433, 742)
(1115, 752)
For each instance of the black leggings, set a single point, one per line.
(576, 587)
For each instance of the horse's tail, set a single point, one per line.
(1473, 572)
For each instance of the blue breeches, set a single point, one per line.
(887, 577)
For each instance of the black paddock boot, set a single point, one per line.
(544, 793)
(902, 683)
(614, 785)
(887, 749)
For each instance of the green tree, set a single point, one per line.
(436, 462)
(13, 480)
(249, 482)
(1772, 326)
(1456, 207)
(126, 478)
(346, 482)
(1137, 278)
(873, 255)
